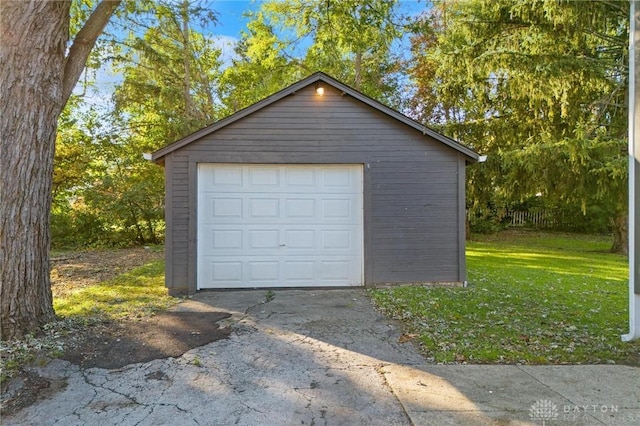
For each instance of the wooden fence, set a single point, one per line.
(535, 218)
(531, 219)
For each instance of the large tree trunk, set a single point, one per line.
(36, 79)
(619, 225)
(34, 37)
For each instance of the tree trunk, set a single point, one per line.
(33, 58)
(358, 70)
(36, 79)
(619, 225)
(186, 58)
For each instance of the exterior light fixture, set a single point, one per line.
(319, 89)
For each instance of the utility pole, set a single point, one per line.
(634, 173)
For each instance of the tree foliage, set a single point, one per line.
(170, 76)
(539, 86)
(288, 40)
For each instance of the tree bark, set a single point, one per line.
(186, 58)
(619, 225)
(358, 70)
(83, 43)
(33, 86)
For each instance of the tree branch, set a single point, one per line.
(83, 43)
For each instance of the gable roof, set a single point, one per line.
(471, 155)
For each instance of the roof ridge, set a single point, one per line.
(301, 84)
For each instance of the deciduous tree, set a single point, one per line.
(169, 69)
(287, 40)
(38, 71)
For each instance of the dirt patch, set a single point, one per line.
(111, 344)
(24, 390)
(169, 334)
(114, 344)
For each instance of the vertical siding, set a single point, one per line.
(414, 186)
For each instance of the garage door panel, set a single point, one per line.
(261, 208)
(297, 178)
(300, 239)
(225, 207)
(264, 272)
(263, 238)
(279, 226)
(300, 208)
(337, 209)
(218, 273)
(212, 239)
(264, 178)
(227, 178)
(343, 239)
(339, 179)
(226, 239)
(336, 270)
(299, 270)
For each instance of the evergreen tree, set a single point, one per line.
(539, 86)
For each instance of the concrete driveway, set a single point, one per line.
(326, 357)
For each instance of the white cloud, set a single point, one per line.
(227, 44)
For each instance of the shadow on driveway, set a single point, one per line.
(316, 357)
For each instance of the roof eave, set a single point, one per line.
(471, 155)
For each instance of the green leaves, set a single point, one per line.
(106, 194)
(538, 86)
(287, 40)
(170, 76)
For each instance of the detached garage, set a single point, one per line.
(314, 186)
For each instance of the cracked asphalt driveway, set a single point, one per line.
(300, 357)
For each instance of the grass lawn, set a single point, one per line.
(533, 298)
(139, 292)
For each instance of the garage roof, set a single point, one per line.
(471, 155)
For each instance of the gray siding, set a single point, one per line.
(413, 184)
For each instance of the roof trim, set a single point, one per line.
(318, 76)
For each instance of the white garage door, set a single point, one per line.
(279, 226)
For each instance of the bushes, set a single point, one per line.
(117, 201)
(76, 229)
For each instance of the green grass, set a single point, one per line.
(533, 298)
(139, 292)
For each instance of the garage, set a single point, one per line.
(279, 226)
(317, 185)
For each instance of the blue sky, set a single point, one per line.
(227, 31)
(231, 21)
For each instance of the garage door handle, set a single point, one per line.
(281, 245)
